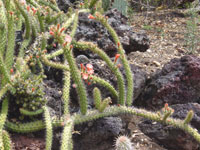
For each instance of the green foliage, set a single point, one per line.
(121, 5)
(192, 35)
(22, 74)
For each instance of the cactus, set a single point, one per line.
(123, 143)
(22, 75)
(121, 5)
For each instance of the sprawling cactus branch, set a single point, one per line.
(39, 21)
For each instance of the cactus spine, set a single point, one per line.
(49, 128)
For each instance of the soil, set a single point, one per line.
(166, 30)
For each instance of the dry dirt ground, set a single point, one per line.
(166, 30)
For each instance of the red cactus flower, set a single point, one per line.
(91, 17)
(28, 8)
(74, 85)
(51, 32)
(89, 69)
(68, 39)
(33, 89)
(85, 76)
(34, 11)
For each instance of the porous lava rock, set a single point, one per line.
(177, 83)
(91, 30)
(95, 135)
(99, 134)
(170, 137)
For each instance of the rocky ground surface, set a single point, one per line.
(165, 30)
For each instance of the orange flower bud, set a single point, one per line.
(116, 57)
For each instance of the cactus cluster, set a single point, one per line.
(22, 72)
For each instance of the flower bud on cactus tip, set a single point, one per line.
(123, 143)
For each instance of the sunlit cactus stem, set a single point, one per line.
(129, 74)
(49, 128)
(6, 141)
(120, 81)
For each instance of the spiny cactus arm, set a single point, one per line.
(52, 6)
(54, 54)
(105, 103)
(3, 116)
(25, 127)
(71, 18)
(30, 113)
(76, 76)
(106, 58)
(66, 91)
(116, 110)
(97, 97)
(67, 136)
(189, 117)
(3, 27)
(86, 3)
(30, 126)
(75, 73)
(4, 72)
(92, 3)
(105, 84)
(55, 17)
(49, 128)
(3, 91)
(6, 141)
(24, 45)
(53, 64)
(26, 17)
(129, 74)
(34, 3)
(19, 20)
(41, 21)
(9, 59)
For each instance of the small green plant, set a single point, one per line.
(147, 27)
(22, 74)
(192, 35)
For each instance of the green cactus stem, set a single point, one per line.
(52, 6)
(53, 64)
(189, 117)
(76, 76)
(129, 75)
(3, 91)
(67, 135)
(97, 97)
(92, 3)
(27, 21)
(105, 103)
(3, 116)
(49, 128)
(11, 43)
(105, 57)
(105, 84)
(30, 113)
(66, 91)
(6, 141)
